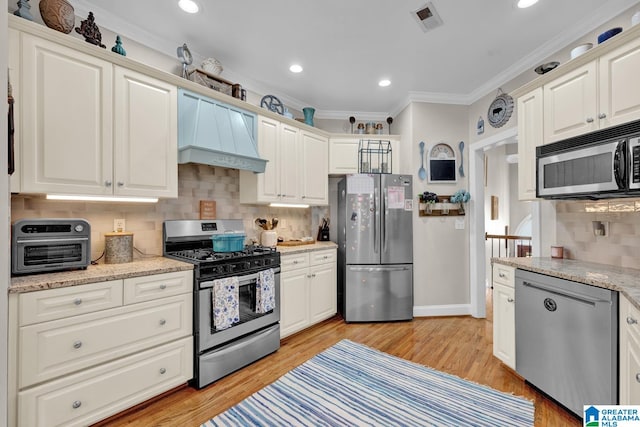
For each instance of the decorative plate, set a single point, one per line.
(272, 103)
(545, 68)
(500, 110)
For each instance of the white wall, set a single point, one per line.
(4, 220)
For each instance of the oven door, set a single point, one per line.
(584, 171)
(41, 255)
(250, 321)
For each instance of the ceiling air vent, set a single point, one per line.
(427, 17)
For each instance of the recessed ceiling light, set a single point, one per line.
(526, 3)
(188, 6)
(295, 68)
(384, 83)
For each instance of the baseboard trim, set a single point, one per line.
(442, 310)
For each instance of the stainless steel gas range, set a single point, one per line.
(253, 335)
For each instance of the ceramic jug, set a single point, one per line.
(308, 115)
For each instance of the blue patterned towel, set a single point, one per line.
(265, 291)
(226, 309)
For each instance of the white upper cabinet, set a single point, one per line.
(14, 78)
(619, 88)
(530, 130)
(344, 156)
(145, 135)
(89, 127)
(297, 167)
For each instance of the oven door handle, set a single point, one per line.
(242, 280)
(55, 240)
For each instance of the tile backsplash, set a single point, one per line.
(196, 182)
(574, 231)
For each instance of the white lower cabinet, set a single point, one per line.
(83, 353)
(308, 286)
(629, 381)
(504, 321)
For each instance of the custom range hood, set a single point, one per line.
(217, 134)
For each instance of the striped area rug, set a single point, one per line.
(353, 385)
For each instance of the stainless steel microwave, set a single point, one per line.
(601, 164)
(45, 245)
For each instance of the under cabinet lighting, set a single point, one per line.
(101, 198)
(287, 205)
(522, 4)
(188, 6)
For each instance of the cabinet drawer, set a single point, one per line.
(52, 304)
(146, 288)
(294, 261)
(323, 257)
(48, 350)
(95, 394)
(504, 274)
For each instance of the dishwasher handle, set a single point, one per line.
(563, 293)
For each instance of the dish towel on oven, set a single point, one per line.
(226, 308)
(265, 291)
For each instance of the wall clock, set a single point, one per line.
(500, 110)
(442, 163)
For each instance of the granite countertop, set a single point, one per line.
(96, 273)
(621, 279)
(317, 246)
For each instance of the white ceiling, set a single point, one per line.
(347, 46)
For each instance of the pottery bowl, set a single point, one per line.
(579, 50)
(608, 34)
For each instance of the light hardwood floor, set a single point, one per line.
(458, 345)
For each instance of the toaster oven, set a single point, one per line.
(44, 245)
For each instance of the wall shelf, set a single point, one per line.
(441, 208)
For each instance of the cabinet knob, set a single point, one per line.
(77, 344)
(308, 276)
(76, 404)
(638, 377)
(589, 120)
(313, 275)
(295, 261)
(502, 275)
(120, 184)
(602, 116)
(304, 197)
(163, 322)
(510, 300)
(162, 371)
(107, 183)
(163, 286)
(325, 257)
(77, 301)
(631, 320)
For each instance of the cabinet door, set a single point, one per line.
(343, 155)
(290, 166)
(570, 106)
(14, 78)
(315, 170)
(268, 183)
(504, 330)
(629, 381)
(530, 135)
(66, 120)
(619, 88)
(146, 135)
(322, 292)
(294, 297)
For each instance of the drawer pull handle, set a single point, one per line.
(162, 371)
(325, 257)
(602, 116)
(589, 120)
(502, 275)
(510, 300)
(107, 183)
(631, 320)
(163, 286)
(76, 404)
(295, 262)
(162, 322)
(77, 301)
(77, 344)
(638, 377)
(313, 275)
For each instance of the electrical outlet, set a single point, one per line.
(119, 225)
(459, 224)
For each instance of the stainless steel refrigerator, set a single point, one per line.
(375, 247)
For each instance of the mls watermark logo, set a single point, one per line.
(611, 415)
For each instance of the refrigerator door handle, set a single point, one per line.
(383, 220)
(376, 249)
(377, 269)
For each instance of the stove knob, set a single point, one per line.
(247, 265)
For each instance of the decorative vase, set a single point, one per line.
(23, 10)
(58, 14)
(308, 115)
(117, 48)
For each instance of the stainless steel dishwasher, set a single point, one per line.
(567, 339)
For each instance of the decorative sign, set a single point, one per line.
(207, 209)
(442, 163)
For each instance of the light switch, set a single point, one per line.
(459, 224)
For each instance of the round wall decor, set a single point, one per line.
(500, 110)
